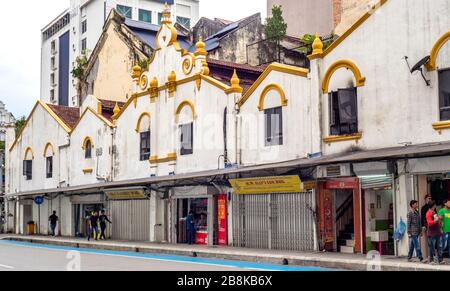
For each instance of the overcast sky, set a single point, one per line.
(20, 50)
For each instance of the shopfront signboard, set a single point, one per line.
(130, 194)
(267, 185)
(222, 217)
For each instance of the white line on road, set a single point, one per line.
(6, 267)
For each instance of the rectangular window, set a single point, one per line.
(444, 94)
(49, 167)
(186, 22)
(125, 11)
(145, 15)
(159, 18)
(145, 146)
(53, 47)
(84, 26)
(83, 45)
(187, 139)
(274, 126)
(52, 95)
(343, 112)
(28, 169)
(52, 79)
(53, 63)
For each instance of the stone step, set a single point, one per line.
(350, 243)
(347, 250)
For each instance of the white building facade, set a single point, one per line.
(77, 30)
(371, 135)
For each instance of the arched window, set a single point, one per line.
(49, 152)
(143, 128)
(88, 145)
(28, 164)
(185, 116)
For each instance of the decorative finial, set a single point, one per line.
(154, 83)
(116, 109)
(205, 68)
(137, 71)
(235, 84)
(317, 45)
(166, 15)
(172, 76)
(200, 48)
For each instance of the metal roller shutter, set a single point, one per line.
(130, 220)
(373, 182)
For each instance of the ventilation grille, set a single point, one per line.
(334, 171)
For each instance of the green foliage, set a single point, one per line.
(308, 39)
(78, 71)
(19, 125)
(2, 145)
(143, 64)
(276, 27)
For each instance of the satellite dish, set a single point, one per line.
(418, 66)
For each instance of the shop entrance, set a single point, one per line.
(199, 207)
(82, 213)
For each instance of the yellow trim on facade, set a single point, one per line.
(181, 106)
(434, 54)
(88, 171)
(275, 87)
(29, 150)
(86, 139)
(441, 125)
(354, 27)
(360, 80)
(214, 82)
(171, 157)
(138, 125)
(49, 144)
(48, 109)
(106, 121)
(302, 72)
(339, 138)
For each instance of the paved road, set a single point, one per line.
(20, 256)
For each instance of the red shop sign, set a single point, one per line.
(336, 184)
(222, 217)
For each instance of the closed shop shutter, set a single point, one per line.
(274, 221)
(374, 182)
(130, 220)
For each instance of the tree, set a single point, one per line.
(276, 27)
(19, 124)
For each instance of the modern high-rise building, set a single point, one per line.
(76, 31)
(320, 16)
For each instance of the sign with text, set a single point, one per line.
(267, 185)
(222, 217)
(126, 194)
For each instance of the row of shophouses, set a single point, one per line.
(325, 157)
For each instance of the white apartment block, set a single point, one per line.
(76, 31)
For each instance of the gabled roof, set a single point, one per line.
(65, 116)
(108, 108)
(147, 32)
(213, 42)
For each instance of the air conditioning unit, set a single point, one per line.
(334, 171)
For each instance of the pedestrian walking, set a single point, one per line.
(53, 221)
(434, 234)
(103, 218)
(444, 214)
(93, 226)
(414, 231)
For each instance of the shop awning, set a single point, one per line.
(280, 168)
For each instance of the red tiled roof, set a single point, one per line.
(69, 115)
(223, 71)
(108, 108)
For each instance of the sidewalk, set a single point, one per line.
(312, 259)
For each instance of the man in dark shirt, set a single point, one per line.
(53, 221)
(424, 210)
(93, 220)
(103, 219)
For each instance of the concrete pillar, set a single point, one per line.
(316, 105)
(404, 193)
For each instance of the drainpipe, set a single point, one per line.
(113, 152)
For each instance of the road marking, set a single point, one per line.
(6, 267)
(170, 258)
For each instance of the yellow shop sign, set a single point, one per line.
(267, 185)
(125, 194)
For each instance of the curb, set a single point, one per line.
(301, 260)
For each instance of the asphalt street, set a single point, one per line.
(20, 256)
